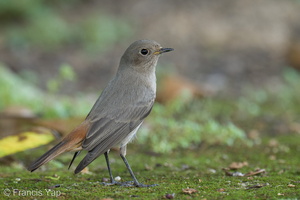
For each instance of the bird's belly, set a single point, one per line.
(130, 136)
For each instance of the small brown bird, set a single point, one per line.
(118, 113)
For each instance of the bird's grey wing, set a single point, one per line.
(115, 127)
(107, 132)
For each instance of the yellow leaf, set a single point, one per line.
(26, 140)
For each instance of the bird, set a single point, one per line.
(117, 114)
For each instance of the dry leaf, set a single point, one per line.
(238, 165)
(189, 191)
(291, 185)
(257, 171)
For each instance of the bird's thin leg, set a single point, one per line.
(135, 181)
(108, 167)
(112, 181)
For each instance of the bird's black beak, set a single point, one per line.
(163, 50)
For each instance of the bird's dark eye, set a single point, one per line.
(144, 52)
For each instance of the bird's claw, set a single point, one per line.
(127, 184)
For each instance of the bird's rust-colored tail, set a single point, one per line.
(72, 142)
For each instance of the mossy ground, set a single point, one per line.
(199, 168)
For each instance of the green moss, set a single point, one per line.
(200, 169)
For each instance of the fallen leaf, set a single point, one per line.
(291, 185)
(189, 191)
(25, 140)
(257, 171)
(238, 165)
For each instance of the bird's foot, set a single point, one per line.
(109, 184)
(136, 184)
(127, 184)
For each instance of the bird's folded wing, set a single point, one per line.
(108, 130)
